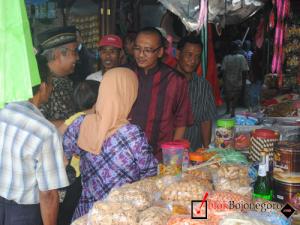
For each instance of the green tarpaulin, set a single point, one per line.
(18, 67)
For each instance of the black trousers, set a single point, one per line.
(68, 206)
(12, 213)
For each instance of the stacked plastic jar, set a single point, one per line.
(224, 135)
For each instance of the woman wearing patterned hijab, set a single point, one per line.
(112, 151)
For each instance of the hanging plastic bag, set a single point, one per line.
(18, 67)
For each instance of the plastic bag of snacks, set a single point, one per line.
(200, 174)
(186, 220)
(232, 177)
(185, 190)
(241, 219)
(111, 213)
(147, 185)
(164, 181)
(81, 220)
(154, 216)
(138, 198)
(274, 218)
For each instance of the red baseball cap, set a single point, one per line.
(111, 40)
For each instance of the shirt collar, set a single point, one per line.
(150, 71)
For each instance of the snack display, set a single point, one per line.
(242, 141)
(240, 219)
(233, 178)
(185, 190)
(111, 213)
(225, 133)
(154, 216)
(139, 199)
(186, 220)
(172, 158)
(200, 174)
(81, 220)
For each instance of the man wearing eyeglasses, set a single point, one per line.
(162, 107)
(110, 51)
(59, 47)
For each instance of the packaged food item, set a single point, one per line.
(242, 140)
(199, 174)
(186, 220)
(185, 190)
(172, 158)
(164, 181)
(154, 216)
(139, 199)
(147, 185)
(241, 219)
(81, 220)
(112, 213)
(224, 137)
(233, 178)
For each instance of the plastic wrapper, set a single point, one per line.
(229, 156)
(274, 218)
(138, 198)
(111, 213)
(164, 181)
(233, 178)
(240, 219)
(186, 220)
(200, 174)
(185, 190)
(148, 186)
(81, 220)
(154, 216)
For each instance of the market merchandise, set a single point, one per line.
(200, 174)
(240, 219)
(154, 216)
(111, 213)
(139, 199)
(225, 133)
(172, 158)
(185, 190)
(262, 186)
(81, 220)
(186, 220)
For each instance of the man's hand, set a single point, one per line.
(49, 204)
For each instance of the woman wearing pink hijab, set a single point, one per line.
(112, 151)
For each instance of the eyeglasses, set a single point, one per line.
(74, 51)
(146, 51)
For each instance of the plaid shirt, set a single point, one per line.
(31, 155)
(125, 157)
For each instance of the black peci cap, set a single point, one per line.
(56, 37)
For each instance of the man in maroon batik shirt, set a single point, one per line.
(162, 107)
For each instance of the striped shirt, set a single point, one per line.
(162, 104)
(31, 154)
(203, 106)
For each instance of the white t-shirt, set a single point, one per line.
(95, 76)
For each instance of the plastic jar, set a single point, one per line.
(195, 158)
(186, 144)
(224, 135)
(261, 139)
(172, 158)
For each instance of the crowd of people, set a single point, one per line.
(78, 138)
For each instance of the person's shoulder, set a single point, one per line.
(97, 76)
(30, 119)
(170, 71)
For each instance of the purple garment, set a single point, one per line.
(126, 157)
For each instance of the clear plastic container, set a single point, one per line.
(225, 133)
(186, 144)
(172, 158)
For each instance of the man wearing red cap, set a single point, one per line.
(110, 55)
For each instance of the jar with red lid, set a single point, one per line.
(172, 158)
(262, 139)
